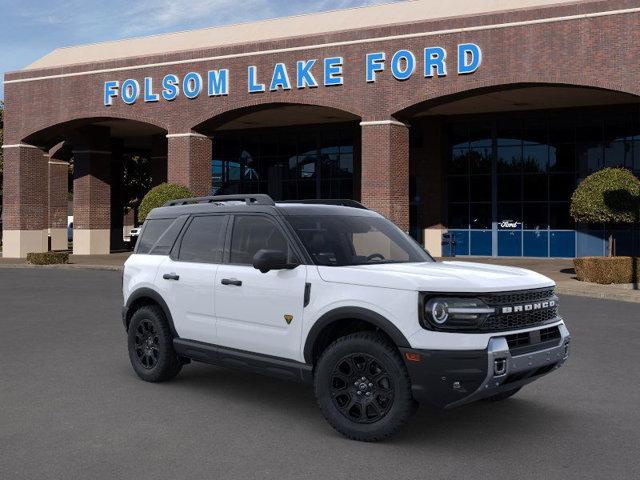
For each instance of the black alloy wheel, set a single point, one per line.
(146, 344)
(150, 345)
(361, 388)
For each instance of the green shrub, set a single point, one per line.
(611, 195)
(607, 270)
(48, 258)
(158, 196)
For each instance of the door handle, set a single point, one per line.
(231, 281)
(171, 276)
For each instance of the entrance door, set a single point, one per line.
(260, 312)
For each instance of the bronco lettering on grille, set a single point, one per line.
(529, 307)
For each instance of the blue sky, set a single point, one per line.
(30, 29)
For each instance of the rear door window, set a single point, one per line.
(168, 238)
(203, 241)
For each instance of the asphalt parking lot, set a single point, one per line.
(71, 407)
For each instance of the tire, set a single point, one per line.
(502, 396)
(150, 346)
(339, 377)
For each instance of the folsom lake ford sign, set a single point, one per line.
(308, 73)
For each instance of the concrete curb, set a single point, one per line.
(68, 266)
(631, 296)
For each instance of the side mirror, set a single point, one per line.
(265, 260)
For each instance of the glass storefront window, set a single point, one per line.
(480, 216)
(510, 159)
(510, 187)
(480, 188)
(539, 158)
(291, 163)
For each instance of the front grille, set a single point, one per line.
(551, 333)
(511, 298)
(516, 320)
(535, 340)
(518, 340)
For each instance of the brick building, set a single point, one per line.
(474, 117)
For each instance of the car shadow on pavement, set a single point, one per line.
(478, 425)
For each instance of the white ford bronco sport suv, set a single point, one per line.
(333, 294)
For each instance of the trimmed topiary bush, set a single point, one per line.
(611, 195)
(48, 258)
(158, 196)
(607, 270)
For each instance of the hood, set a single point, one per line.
(438, 277)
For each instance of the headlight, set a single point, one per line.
(456, 312)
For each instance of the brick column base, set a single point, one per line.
(25, 215)
(58, 191)
(189, 161)
(385, 170)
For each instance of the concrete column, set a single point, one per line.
(189, 161)
(58, 191)
(158, 160)
(385, 170)
(25, 210)
(91, 202)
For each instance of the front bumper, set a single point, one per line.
(449, 378)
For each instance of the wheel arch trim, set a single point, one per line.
(351, 313)
(145, 292)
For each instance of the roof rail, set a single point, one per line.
(256, 199)
(339, 202)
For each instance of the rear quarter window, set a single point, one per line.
(152, 230)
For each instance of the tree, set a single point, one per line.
(161, 194)
(136, 180)
(611, 195)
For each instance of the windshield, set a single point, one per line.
(338, 240)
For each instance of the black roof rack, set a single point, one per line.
(257, 199)
(339, 202)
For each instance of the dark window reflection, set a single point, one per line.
(534, 161)
(480, 216)
(510, 159)
(286, 163)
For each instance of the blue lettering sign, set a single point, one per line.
(130, 91)
(280, 78)
(469, 58)
(375, 63)
(170, 87)
(110, 92)
(403, 64)
(333, 71)
(254, 87)
(304, 77)
(149, 96)
(192, 85)
(434, 58)
(218, 81)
